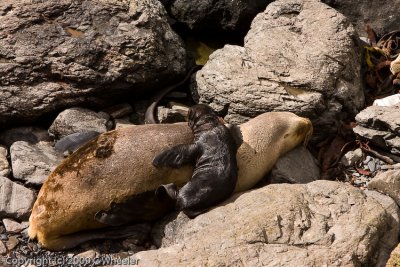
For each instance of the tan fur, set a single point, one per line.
(118, 164)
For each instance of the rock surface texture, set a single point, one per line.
(387, 183)
(4, 164)
(284, 225)
(380, 15)
(77, 120)
(16, 201)
(298, 166)
(57, 54)
(215, 16)
(33, 162)
(299, 56)
(381, 125)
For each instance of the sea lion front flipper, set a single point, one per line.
(176, 156)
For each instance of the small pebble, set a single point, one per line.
(371, 166)
(3, 237)
(12, 242)
(367, 159)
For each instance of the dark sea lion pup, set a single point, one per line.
(213, 153)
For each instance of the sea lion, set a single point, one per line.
(117, 166)
(213, 153)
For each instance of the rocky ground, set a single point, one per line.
(71, 71)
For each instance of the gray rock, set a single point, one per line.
(33, 162)
(298, 166)
(299, 56)
(388, 101)
(67, 53)
(13, 226)
(387, 183)
(380, 118)
(351, 157)
(379, 14)
(76, 120)
(16, 201)
(4, 164)
(216, 16)
(283, 225)
(380, 125)
(28, 134)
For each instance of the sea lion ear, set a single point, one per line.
(236, 134)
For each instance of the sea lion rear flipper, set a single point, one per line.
(176, 156)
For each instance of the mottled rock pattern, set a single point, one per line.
(58, 54)
(382, 15)
(4, 164)
(298, 166)
(28, 134)
(216, 16)
(299, 56)
(76, 120)
(16, 201)
(283, 225)
(387, 183)
(33, 162)
(381, 125)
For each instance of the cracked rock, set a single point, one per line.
(299, 56)
(60, 54)
(286, 225)
(380, 125)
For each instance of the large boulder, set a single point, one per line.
(57, 54)
(322, 223)
(380, 15)
(299, 56)
(215, 16)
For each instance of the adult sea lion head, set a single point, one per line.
(117, 166)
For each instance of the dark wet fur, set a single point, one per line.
(213, 153)
(144, 207)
